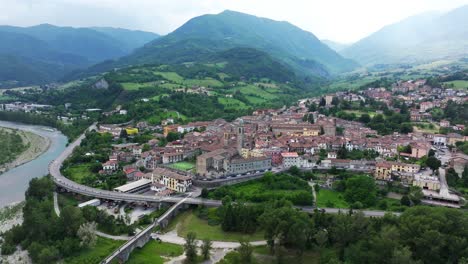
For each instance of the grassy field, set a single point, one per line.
(189, 222)
(171, 76)
(425, 128)
(67, 199)
(154, 252)
(257, 91)
(262, 256)
(360, 113)
(183, 165)
(232, 103)
(102, 249)
(352, 84)
(129, 86)
(256, 100)
(458, 84)
(207, 82)
(78, 172)
(329, 198)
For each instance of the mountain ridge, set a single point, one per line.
(216, 32)
(421, 38)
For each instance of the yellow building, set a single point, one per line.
(254, 153)
(383, 170)
(311, 132)
(131, 131)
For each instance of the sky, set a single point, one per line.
(344, 21)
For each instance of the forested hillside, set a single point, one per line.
(45, 53)
(201, 37)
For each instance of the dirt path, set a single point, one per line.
(37, 146)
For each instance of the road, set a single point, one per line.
(56, 205)
(62, 181)
(172, 237)
(145, 231)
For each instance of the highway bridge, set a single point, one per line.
(62, 181)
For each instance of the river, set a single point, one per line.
(14, 182)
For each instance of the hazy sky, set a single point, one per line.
(338, 20)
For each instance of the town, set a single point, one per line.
(214, 153)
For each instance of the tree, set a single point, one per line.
(321, 238)
(322, 101)
(431, 153)
(87, 234)
(204, 193)
(361, 189)
(294, 170)
(415, 194)
(464, 179)
(172, 136)
(433, 163)
(245, 251)
(190, 247)
(205, 249)
(405, 200)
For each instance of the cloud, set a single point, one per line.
(340, 20)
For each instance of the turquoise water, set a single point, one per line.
(14, 182)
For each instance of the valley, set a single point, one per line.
(233, 138)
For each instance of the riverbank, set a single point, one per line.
(9, 217)
(14, 182)
(38, 145)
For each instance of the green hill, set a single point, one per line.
(421, 38)
(205, 35)
(50, 51)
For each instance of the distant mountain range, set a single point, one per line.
(336, 46)
(45, 52)
(421, 38)
(201, 37)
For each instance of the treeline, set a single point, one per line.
(50, 238)
(46, 236)
(71, 131)
(419, 235)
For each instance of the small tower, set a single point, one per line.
(240, 136)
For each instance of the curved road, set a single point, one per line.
(62, 181)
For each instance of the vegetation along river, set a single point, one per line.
(14, 182)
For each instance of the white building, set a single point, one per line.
(291, 159)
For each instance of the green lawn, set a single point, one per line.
(103, 248)
(189, 222)
(329, 198)
(155, 252)
(183, 165)
(78, 172)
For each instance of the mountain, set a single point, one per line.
(202, 36)
(421, 38)
(55, 51)
(131, 39)
(336, 46)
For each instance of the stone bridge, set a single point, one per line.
(122, 254)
